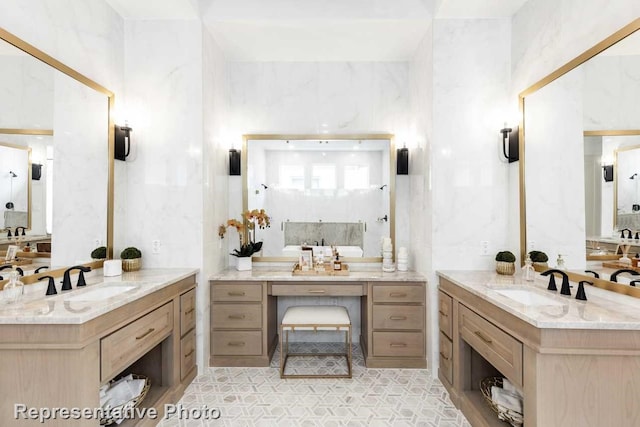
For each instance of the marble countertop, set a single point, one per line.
(68, 307)
(602, 310)
(283, 273)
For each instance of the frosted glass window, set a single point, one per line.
(292, 177)
(356, 177)
(323, 177)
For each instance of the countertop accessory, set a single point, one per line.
(509, 415)
(505, 263)
(528, 273)
(327, 270)
(13, 290)
(133, 403)
(131, 259)
(112, 267)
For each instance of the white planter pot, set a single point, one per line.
(243, 263)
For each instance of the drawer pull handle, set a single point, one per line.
(188, 312)
(236, 344)
(443, 356)
(482, 337)
(398, 318)
(319, 291)
(443, 314)
(397, 344)
(397, 294)
(236, 316)
(192, 350)
(146, 333)
(235, 294)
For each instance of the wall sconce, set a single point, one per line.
(402, 161)
(122, 141)
(36, 171)
(607, 173)
(234, 162)
(512, 136)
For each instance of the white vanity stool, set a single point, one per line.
(314, 318)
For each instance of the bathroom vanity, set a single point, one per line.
(57, 351)
(244, 322)
(577, 363)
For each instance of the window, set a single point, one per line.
(323, 177)
(356, 177)
(292, 177)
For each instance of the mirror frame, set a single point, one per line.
(54, 63)
(29, 194)
(614, 38)
(325, 137)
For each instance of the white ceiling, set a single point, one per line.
(316, 30)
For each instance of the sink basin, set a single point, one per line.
(99, 294)
(526, 297)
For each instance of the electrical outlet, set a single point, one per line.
(97, 243)
(532, 245)
(484, 248)
(155, 247)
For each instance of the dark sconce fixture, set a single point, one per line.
(402, 161)
(36, 171)
(511, 136)
(122, 141)
(234, 162)
(607, 173)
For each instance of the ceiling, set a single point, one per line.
(316, 30)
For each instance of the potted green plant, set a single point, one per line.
(131, 259)
(99, 253)
(505, 263)
(539, 258)
(251, 219)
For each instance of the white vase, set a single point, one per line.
(243, 263)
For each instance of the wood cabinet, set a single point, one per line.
(569, 377)
(244, 319)
(64, 365)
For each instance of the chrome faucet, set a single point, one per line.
(565, 290)
(66, 280)
(614, 275)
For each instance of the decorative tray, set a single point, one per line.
(328, 271)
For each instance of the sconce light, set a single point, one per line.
(122, 141)
(36, 171)
(607, 173)
(402, 161)
(512, 136)
(234, 162)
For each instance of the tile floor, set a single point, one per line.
(373, 397)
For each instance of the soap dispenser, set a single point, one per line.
(528, 272)
(337, 264)
(560, 262)
(13, 290)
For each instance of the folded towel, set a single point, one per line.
(506, 384)
(506, 399)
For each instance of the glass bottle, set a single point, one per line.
(560, 262)
(528, 272)
(13, 290)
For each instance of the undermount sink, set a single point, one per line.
(100, 293)
(527, 297)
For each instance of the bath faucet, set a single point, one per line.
(40, 268)
(596, 275)
(6, 266)
(628, 233)
(614, 275)
(18, 230)
(565, 290)
(580, 294)
(51, 289)
(66, 280)
(8, 233)
(322, 241)
(634, 283)
(20, 271)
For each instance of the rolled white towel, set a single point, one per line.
(508, 386)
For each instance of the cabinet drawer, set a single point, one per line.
(446, 358)
(239, 291)
(398, 344)
(236, 316)
(398, 317)
(236, 343)
(187, 354)
(445, 313)
(187, 311)
(403, 293)
(130, 342)
(319, 289)
(499, 348)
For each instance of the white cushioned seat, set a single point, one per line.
(314, 317)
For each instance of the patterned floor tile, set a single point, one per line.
(256, 397)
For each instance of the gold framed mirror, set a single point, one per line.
(321, 190)
(82, 130)
(555, 115)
